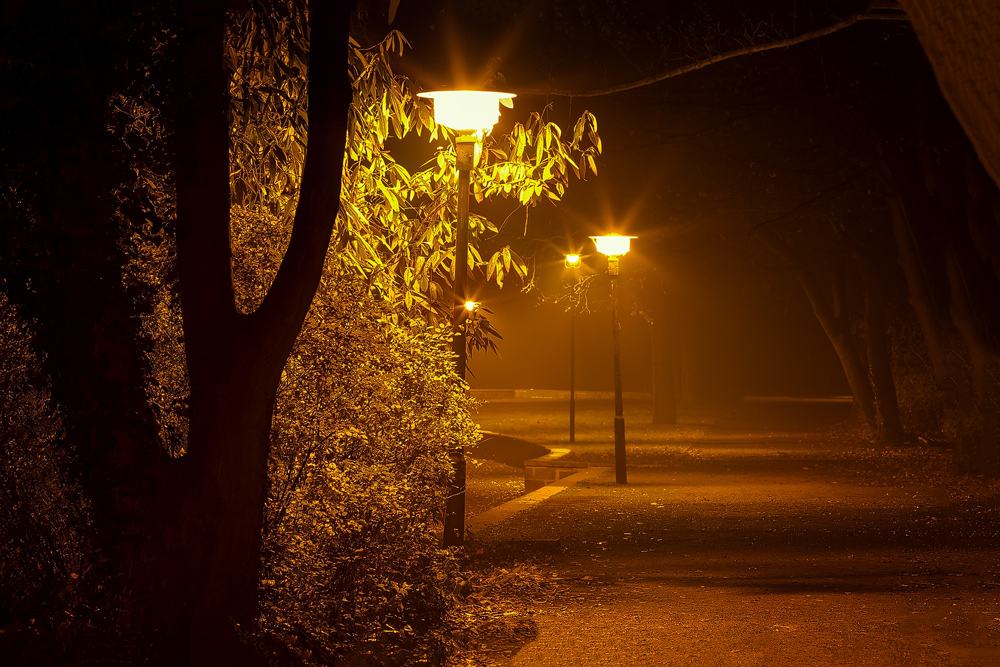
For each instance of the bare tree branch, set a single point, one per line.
(745, 51)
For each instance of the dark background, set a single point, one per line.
(689, 166)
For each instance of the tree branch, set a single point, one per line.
(279, 318)
(812, 200)
(745, 51)
(203, 251)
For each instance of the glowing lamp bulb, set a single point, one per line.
(467, 110)
(612, 245)
(572, 261)
(472, 306)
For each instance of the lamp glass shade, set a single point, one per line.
(469, 110)
(612, 244)
(572, 261)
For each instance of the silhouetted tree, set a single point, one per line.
(180, 537)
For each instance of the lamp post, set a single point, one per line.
(614, 246)
(572, 262)
(471, 114)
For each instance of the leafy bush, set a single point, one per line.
(955, 413)
(920, 403)
(43, 553)
(366, 414)
(369, 404)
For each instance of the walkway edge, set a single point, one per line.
(528, 500)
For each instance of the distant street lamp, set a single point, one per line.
(572, 262)
(471, 114)
(614, 246)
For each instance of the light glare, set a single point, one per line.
(467, 110)
(613, 245)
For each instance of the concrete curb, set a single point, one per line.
(528, 500)
(552, 467)
(550, 394)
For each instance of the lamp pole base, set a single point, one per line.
(621, 477)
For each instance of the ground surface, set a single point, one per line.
(760, 538)
(490, 483)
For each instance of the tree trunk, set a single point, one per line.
(916, 283)
(836, 327)
(179, 539)
(982, 212)
(959, 37)
(234, 360)
(686, 365)
(230, 429)
(889, 428)
(839, 333)
(963, 317)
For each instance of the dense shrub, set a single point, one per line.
(365, 417)
(43, 549)
(955, 413)
(920, 404)
(369, 404)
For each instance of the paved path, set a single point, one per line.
(761, 552)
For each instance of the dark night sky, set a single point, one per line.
(689, 165)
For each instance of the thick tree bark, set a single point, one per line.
(959, 37)
(234, 360)
(942, 207)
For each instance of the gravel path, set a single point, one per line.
(489, 484)
(748, 547)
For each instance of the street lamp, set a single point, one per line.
(572, 262)
(471, 114)
(614, 246)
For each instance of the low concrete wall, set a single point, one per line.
(550, 468)
(797, 400)
(551, 395)
(505, 449)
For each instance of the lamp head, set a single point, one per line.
(467, 110)
(472, 306)
(572, 261)
(612, 245)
